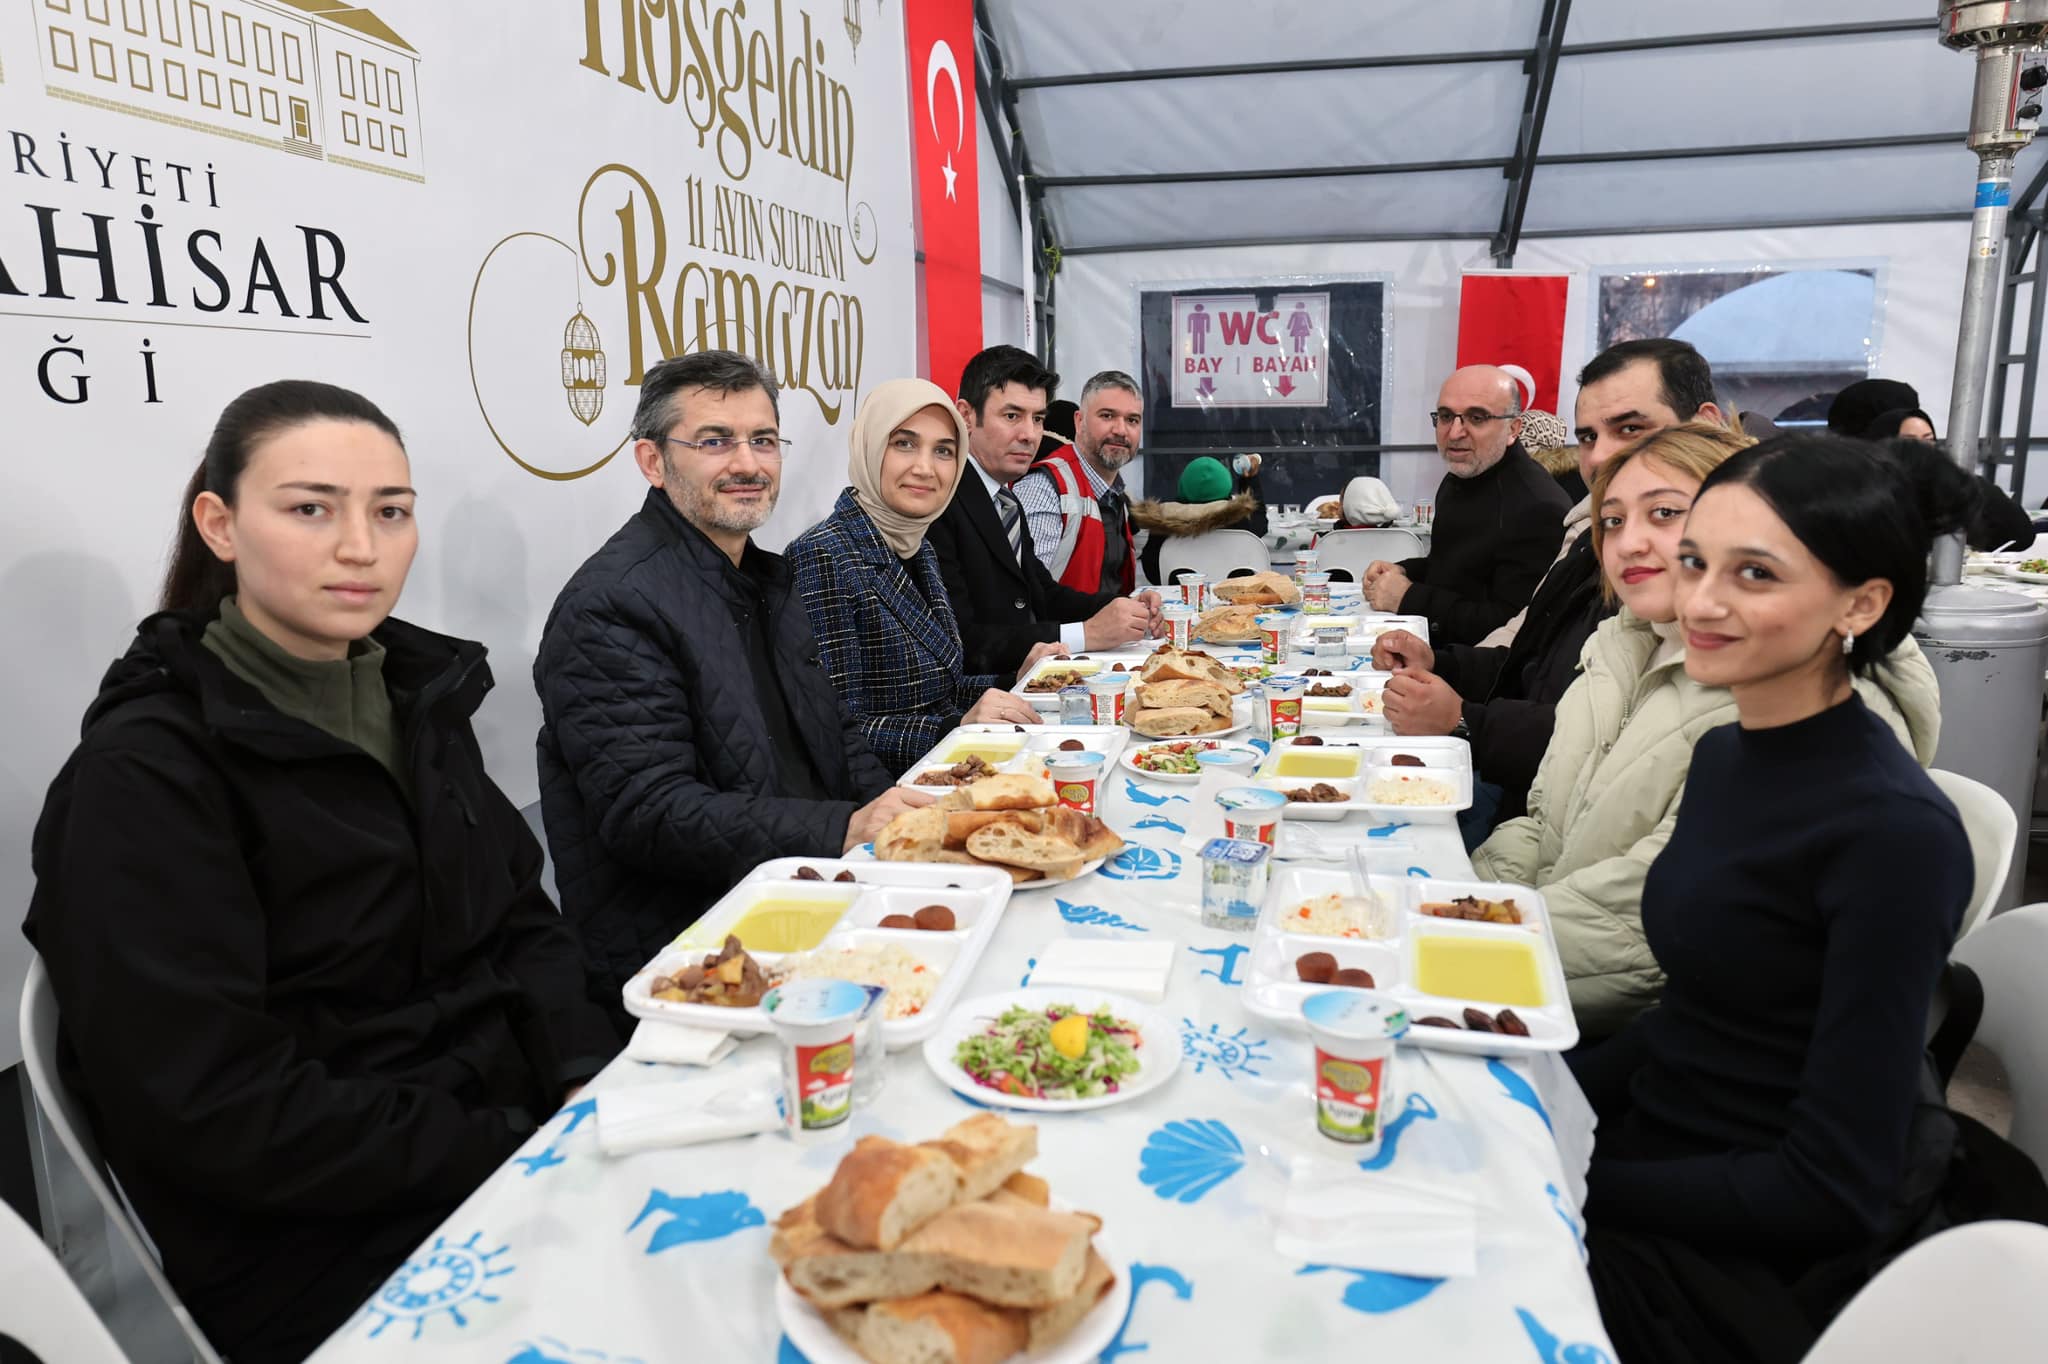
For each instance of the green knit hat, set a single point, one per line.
(1205, 480)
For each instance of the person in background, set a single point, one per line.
(688, 731)
(1549, 442)
(1859, 405)
(871, 584)
(1497, 517)
(1074, 498)
(1060, 415)
(1607, 795)
(1767, 1140)
(1367, 503)
(312, 993)
(1211, 498)
(1514, 679)
(1999, 522)
(1003, 599)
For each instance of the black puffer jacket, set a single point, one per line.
(657, 772)
(307, 1016)
(1511, 694)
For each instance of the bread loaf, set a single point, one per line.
(1258, 589)
(932, 1328)
(1177, 665)
(1049, 1325)
(1228, 624)
(913, 836)
(1166, 695)
(884, 1190)
(1014, 845)
(1171, 722)
(1006, 1253)
(987, 1151)
(1012, 791)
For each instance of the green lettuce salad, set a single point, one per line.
(1015, 1054)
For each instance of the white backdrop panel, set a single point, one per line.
(1608, 20)
(511, 129)
(1467, 201)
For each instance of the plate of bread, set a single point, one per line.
(1183, 693)
(1011, 821)
(945, 1252)
(1257, 589)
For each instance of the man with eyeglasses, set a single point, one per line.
(689, 732)
(1498, 517)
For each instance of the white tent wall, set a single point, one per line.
(1921, 298)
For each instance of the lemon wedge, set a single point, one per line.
(1070, 1036)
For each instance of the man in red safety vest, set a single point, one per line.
(1074, 497)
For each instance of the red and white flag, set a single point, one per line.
(941, 34)
(1505, 318)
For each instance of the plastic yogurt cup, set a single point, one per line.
(1315, 593)
(818, 1022)
(1106, 693)
(1180, 624)
(1273, 636)
(1192, 588)
(1073, 777)
(1354, 1032)
(1252, 813)
(1307, 561)
(1283, 700)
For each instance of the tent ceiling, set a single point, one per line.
(1661, 114)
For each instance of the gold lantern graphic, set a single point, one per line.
(583, 367)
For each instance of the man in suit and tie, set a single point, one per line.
(1005, 600)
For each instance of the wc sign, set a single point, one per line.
(1228, 351)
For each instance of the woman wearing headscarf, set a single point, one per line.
(1999, 522)
(870, 584)
(1212, 497)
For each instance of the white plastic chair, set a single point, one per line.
(41, 1307)
(1354, 550)
(1971, 1295)
(1993, 830)
(65, 1118)
(2010, 956)
(1217, 553)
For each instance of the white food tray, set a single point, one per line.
(1275, 991)
(1088, 665)
(1034, 745)
(1368, 771)
(976, 895)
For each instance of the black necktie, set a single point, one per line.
(1012, 512)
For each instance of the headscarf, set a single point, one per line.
(1864, 401)
(1544, 431)
(881, 413)
(1204, 480)
(1368, 502)
(1887, 426)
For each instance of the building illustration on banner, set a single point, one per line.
(321, 79)
(1251, 350)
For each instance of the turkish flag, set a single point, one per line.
(941, 34)
(1511, 319)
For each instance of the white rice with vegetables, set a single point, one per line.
(1411, 791)
(909, 981)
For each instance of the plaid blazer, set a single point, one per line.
(892, 650)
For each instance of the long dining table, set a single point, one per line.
(568, 1256)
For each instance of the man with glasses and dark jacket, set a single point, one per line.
(689, 732)
(1498, 517)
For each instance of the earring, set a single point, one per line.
(1848, 642)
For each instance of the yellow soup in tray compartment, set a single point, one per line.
(1301, 762)
(990, 751)
(787, 925)
(1491, 970)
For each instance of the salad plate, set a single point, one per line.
(1007, 1040)
(1166, 751)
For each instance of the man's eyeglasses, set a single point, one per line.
(764, 447)
(1475, 418)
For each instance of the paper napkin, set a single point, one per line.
(734, 1101)
(1137, 969)
(677, 1044)
(1339, 1215)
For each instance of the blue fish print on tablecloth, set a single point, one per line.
(534, 1164)
(1095, 916)
(1030, 965)
(550, 1155)
(1564, 1215)
(1187, 1158)
(1230, 955)
(1229, 1054)
(443, 1279)
(1159, 822)
(548, 1350)
(1139, 863)
(1386, 830)
(1371, 1290)
(786, 1352)
(1140, 796)
(696, 1217)
(1142, 1275)
(1518, 1087)
(1415, 1108)
(1551, 1350)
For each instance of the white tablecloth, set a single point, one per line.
(565, 1255)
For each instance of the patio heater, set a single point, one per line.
(1989, 648)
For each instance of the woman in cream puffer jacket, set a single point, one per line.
(1607, 794)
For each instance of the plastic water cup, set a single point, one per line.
(1315, 593)
(1233, 883)
(1354, 1032)
(1307, 561)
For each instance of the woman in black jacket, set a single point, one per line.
(311, 991)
